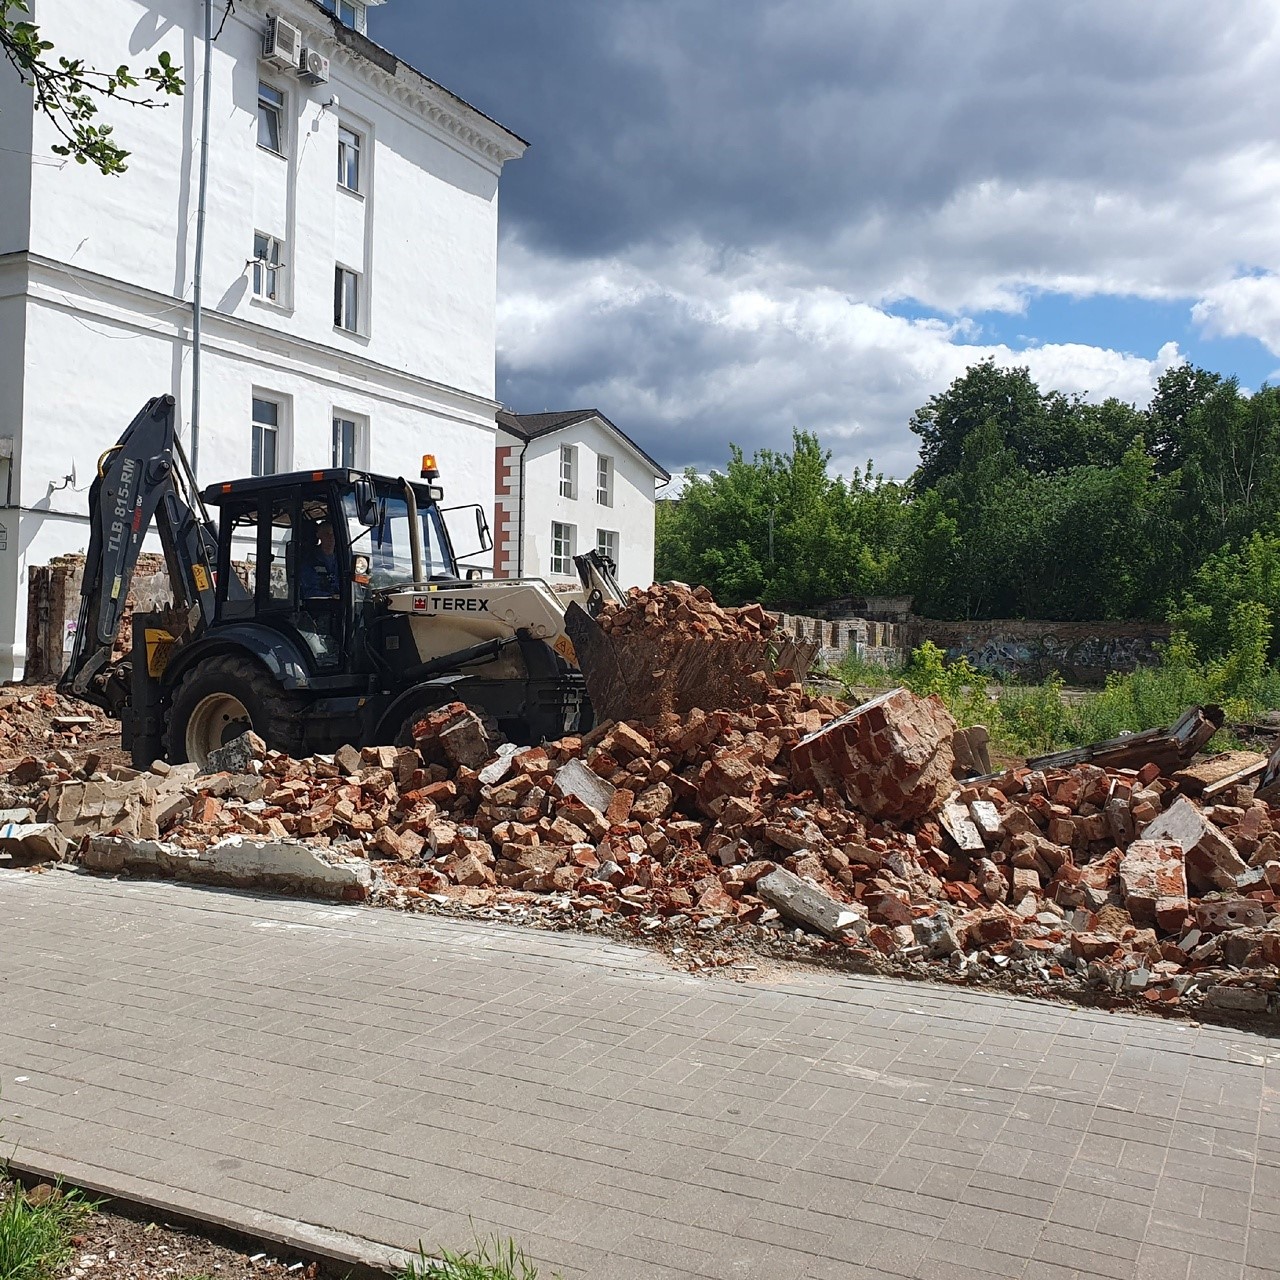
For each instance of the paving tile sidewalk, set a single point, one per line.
(403, 1079)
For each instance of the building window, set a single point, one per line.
(266, 437)
(607, 545)
(348, 158)
(346, 300)
(268, 267)
(604, 480)
(348, 441)
(348, 13)
(270, 118)
(562, 537)
(568, 471)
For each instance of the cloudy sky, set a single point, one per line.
(740, 216)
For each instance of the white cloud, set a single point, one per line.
(1246, 306)
(688, 357)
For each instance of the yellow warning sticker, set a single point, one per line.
(159, 646)
(564, 647)
(201, 575)
(115, 588)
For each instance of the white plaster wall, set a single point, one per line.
(15, 143)
(130, 364)
(631, 514)
(428, 247)
(106, 323)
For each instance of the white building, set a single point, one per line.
(349, 273)
(566, 483)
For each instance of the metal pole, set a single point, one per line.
(197, 291)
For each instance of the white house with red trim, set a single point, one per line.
(571, 482)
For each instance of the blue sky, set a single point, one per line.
(1135, 326)
(741, 216)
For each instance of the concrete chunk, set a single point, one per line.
(958, 824)
(575, 779)
(238, 755)
(1154, 882)
(238, 862)
(793, 898)
(1211, 859)
(32, 841)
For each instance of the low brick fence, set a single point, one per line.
(882, 642)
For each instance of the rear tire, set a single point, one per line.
(220, 699)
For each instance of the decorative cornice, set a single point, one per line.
(396, 79)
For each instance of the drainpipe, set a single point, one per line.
(520, 539)
(197, 290)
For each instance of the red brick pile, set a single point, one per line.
(797, 812)
(674, 611)
(39, 718)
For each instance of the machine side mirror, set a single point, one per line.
(366, 502)
(484, 537)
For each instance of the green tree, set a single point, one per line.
(779, 527)
(1007, 399)
(1179, 392)
(69, 93)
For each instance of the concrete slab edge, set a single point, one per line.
(303, 1239)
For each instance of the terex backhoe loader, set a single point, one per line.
(323, 607)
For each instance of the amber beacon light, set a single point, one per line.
(429, 469)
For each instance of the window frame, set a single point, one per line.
(569, 471)
(359, 439)
(604, 472)
(265, 102)
(259, 428)
(340, 317)
(344, 150)
(565, 558)
(358, 11)
(265, 267)
(611, 535)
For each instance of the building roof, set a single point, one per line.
(532, 426)
(402, 80)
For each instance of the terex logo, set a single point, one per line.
(450, 604)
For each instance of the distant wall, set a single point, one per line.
(881, 642)
(1080, 652)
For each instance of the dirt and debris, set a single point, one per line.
(117, 1242)
(792, 826)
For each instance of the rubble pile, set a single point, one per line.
(40, 717)
(674, 611)
(799, 821)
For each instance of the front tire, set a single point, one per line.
(225, 696)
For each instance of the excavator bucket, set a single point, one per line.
(641, 674)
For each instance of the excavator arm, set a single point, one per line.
(144, 477)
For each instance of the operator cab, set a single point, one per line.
(302, 552)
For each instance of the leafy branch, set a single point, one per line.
(69, 93)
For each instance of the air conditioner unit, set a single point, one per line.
(283, 43)
(314, 66)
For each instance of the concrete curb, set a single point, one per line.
(363, 1259)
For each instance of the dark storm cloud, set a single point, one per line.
(717, 189)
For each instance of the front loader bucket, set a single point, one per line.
(635, 676)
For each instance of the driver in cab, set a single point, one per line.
(319, 575)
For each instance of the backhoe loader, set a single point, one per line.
(322, 607)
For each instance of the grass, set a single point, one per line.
(485, 1260)
(1035, 719)
(36, 1231)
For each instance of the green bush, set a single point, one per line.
(1035, 720)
